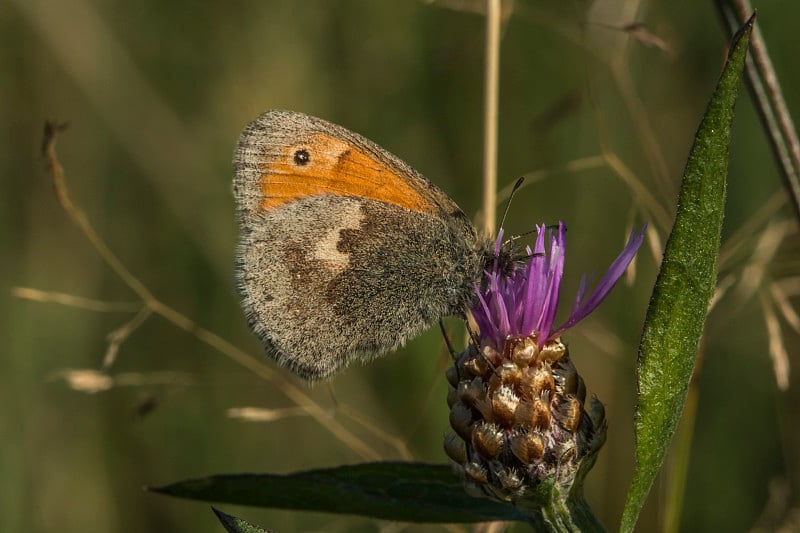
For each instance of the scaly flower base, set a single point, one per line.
(522, 433)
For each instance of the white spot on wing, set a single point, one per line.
(326, 248)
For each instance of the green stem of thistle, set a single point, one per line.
(551, 510)
(583, 517)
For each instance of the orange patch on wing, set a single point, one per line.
(334, 167)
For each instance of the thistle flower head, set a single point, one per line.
(523, 303)
(522, 429)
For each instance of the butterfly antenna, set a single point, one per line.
(517, 185)
(530, 232)
(526, 256)
(515, 237)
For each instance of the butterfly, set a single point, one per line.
(345, 251)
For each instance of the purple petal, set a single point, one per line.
(535, 284)
(483, 317)
(498, 244)
(524, 302)
(558, 253)
(582, 288)
(608, 281)
(501, 306)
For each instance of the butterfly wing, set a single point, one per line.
(345, 251)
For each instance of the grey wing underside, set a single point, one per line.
(327, 280)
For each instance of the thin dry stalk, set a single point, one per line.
(490, 105)
(155, 306)
(781, 299)
(79, 302)
(121, 334)
(768, 98)
(777, 349)
(570, 167)
(261, 414)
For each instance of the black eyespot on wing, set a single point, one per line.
(302, 157)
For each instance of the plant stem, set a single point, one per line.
(767, 95)
(490, 104)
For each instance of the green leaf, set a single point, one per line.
(233, 524)
(684, 286)
(407, 492)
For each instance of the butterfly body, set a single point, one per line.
(345, 252)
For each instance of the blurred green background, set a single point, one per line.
(156, 94)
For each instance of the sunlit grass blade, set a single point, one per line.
(685, 285)
(407, 492)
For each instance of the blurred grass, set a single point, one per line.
(157, 93)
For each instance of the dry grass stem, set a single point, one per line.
(721, 290)
(763, 254)
(604, 339)
(767, 95)
(118, 336)
(185, 163)
(641, 194)
(790, 285)
(155, 306)
(473, 6)
(490, 115)
(570, 167)
(740, 241)
(78, 302)
(781, 299)
(261, 414)
(92, 381)
(360, 419)
(777, 349)
(664, 181)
